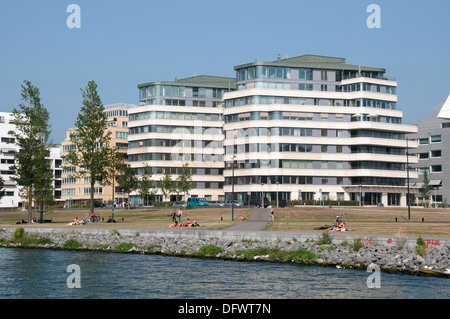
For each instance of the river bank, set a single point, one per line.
(391, 255)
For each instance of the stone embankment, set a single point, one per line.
(319, 250)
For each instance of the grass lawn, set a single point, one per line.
(363, 220)
(208, 218)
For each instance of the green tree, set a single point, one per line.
(2, 191)
(127, 180)
(31, 134)
(184, 181)
(167, 185)
(146, 185)
(425, 189)
(92, 152)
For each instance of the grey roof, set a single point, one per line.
(314, 62)
(208, 81)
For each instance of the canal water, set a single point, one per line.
(56, 274)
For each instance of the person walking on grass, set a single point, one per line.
(180, 216)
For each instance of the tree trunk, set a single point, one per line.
(30, 201)
(92, 195)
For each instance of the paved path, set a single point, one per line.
(259, 217)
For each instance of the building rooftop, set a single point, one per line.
(314, 62)
(199, 81)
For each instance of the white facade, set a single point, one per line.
(13, 192)
(316, 128)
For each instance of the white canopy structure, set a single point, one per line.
(445, 110)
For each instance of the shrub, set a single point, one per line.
(71, 244)
(301, 254)
(326, 239)
(209, 250)
(124, 246)
(18, 233)
(357, 244)
(420, 247)
(114, 232)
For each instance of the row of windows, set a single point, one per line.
(309, 180)
(8, 140)
(175, 129)
(432, 169)
(86, 191)
(258, 99)
(263, 72)
(177, 91)
(273, 131)
(162, 90)
(289, 131)
(368, 87)
(377, 150)
(431, 139)
(7, 161)
(175, 116)
(176, 157)
(435, 153)
(305, 164)
(178, 170)
(200, 103)
(262, 147)
(283, 147)
(175, 143)
(378, 134)
(378, 165)
(116, 113)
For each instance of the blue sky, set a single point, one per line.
(124, 43)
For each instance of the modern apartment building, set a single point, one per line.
(14, 194)
(315, 127)
(176, 123)
(77, 190)
(433, 138)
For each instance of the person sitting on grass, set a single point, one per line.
(187, 223)
(175, 224)
(340, 226)
(195, 224)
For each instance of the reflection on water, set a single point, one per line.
(40, 273)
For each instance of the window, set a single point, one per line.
(305, 74)
(423, 141)
(324, 87)
(423, 155)
(8, 139)
(324, 76)
(198, 92)
(435, 139)
(436, 168)
(436, 153)
(305, 87)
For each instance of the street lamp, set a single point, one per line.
(277, 194)
(262, 196)
(407, 179)
(360, 186)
